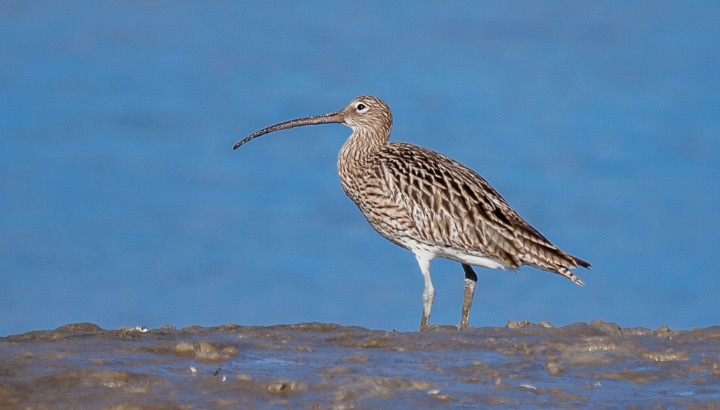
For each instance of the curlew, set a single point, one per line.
(430, 204)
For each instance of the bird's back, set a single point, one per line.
(413, 195)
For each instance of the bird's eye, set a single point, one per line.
(361, 107)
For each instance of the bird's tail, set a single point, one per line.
(556, 261)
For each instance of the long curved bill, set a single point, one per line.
(333, 117)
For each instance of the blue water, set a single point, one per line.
(122, 202)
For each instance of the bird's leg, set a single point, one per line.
(428, 292)
(470, 281)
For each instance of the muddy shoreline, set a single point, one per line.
(327, 365)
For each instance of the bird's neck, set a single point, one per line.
(362, 145)
(356, 156)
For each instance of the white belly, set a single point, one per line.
(467, 257)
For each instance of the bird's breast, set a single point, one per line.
(364, 184)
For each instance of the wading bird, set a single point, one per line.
(430, 204)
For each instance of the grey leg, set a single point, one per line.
(428, 293)
(470, 281)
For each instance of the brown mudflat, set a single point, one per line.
(328, 365)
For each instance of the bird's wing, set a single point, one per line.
(452, 206)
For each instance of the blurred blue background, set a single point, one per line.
(122, 202)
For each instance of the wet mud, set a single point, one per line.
(331, 366)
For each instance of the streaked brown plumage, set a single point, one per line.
(431, 204)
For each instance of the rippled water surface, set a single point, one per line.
(309, 365)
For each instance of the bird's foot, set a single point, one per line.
(424, 323)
